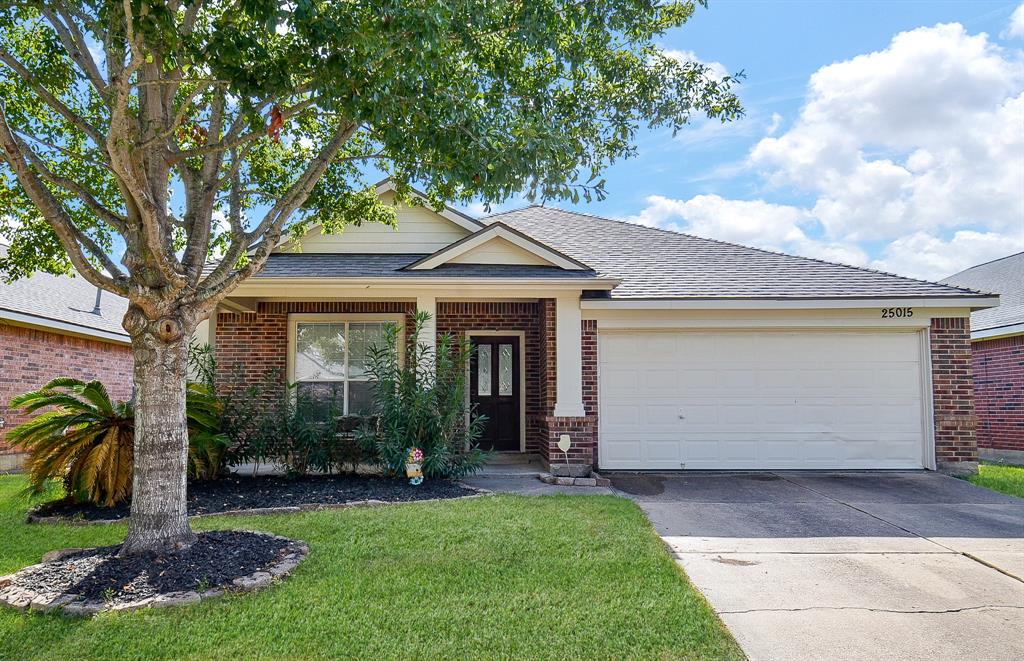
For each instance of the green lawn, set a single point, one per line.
(499, 578)
(1005, 479)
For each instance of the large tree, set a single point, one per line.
(143, 138)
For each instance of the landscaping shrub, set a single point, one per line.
(86, 439)
(420, 402)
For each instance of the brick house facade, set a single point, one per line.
(252, 345)
(651, 350)
(30, 357)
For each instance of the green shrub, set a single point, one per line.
(86, 439)
(420, 401)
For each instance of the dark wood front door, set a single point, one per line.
(494, 390)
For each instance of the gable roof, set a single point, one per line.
(498, 231)
(661, 264)
(362, 266)
(1004, 276)
(448, 213)
(62, 304)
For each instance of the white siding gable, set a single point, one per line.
(499, 251)
(419, 230)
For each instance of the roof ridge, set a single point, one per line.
(991, 261)
(755, 248)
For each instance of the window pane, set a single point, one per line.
(319, 351)
(483, 370)
(321, 399)
(504, 369)
(360, 397)
(362, 336)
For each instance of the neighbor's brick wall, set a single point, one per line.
(250, 347)
(30, 357)
(953, 391)
(457, 318)
(999, 392)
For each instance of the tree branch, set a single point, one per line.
(50, 100)
(114, 220)
(71, 237)
(220, 282)
(74, 43)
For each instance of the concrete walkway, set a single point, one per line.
(848, 565)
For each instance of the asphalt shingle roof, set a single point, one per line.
(376, 265)
(656, 263)
(64, 299)
(1003, 276)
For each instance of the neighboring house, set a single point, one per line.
(50, 326)
(997, 342)
(651, 350)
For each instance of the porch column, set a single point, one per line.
(569, 357)
(428, 335)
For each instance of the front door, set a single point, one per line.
(494, 390)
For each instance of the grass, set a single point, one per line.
(1001, 478)
(504, 577)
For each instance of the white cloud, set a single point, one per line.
(923, 255)
(757, 223)
(1015, 28)
(918, 147)
(715, 69)
(925, 134)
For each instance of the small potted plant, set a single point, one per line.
(413, 466)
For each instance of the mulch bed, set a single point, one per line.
(86, 581)
(236, 493)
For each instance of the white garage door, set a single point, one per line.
(760, 400)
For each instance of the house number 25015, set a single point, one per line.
(897, 313)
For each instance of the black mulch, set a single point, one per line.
(238, 492)
(215, 559)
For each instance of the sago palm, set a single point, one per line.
(86, 438)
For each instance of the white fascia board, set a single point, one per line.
(298, 287)
(785, 304)
(495, 231)
(63, 327)
(1001, 331)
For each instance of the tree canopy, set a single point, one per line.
(141, 137)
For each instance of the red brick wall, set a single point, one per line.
(29, 358)
(953, 392)
(457, 318)
(999, 392)
(249, 347)
(583, 431)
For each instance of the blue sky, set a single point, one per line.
(883, 134)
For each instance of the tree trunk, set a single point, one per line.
(159, 518)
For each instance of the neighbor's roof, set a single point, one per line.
(379, 265)
(660, 264)
(62, 303)
(1003, 276)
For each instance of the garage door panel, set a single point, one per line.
(761, 400)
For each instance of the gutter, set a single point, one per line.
(63, 327)
(721, 303)
(997, 332)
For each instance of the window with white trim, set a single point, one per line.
(330, 359)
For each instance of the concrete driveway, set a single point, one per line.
(873, 566)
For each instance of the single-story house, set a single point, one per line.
(54, 326)
(650, 349)
(997, 347)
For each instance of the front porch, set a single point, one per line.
(555, 378)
